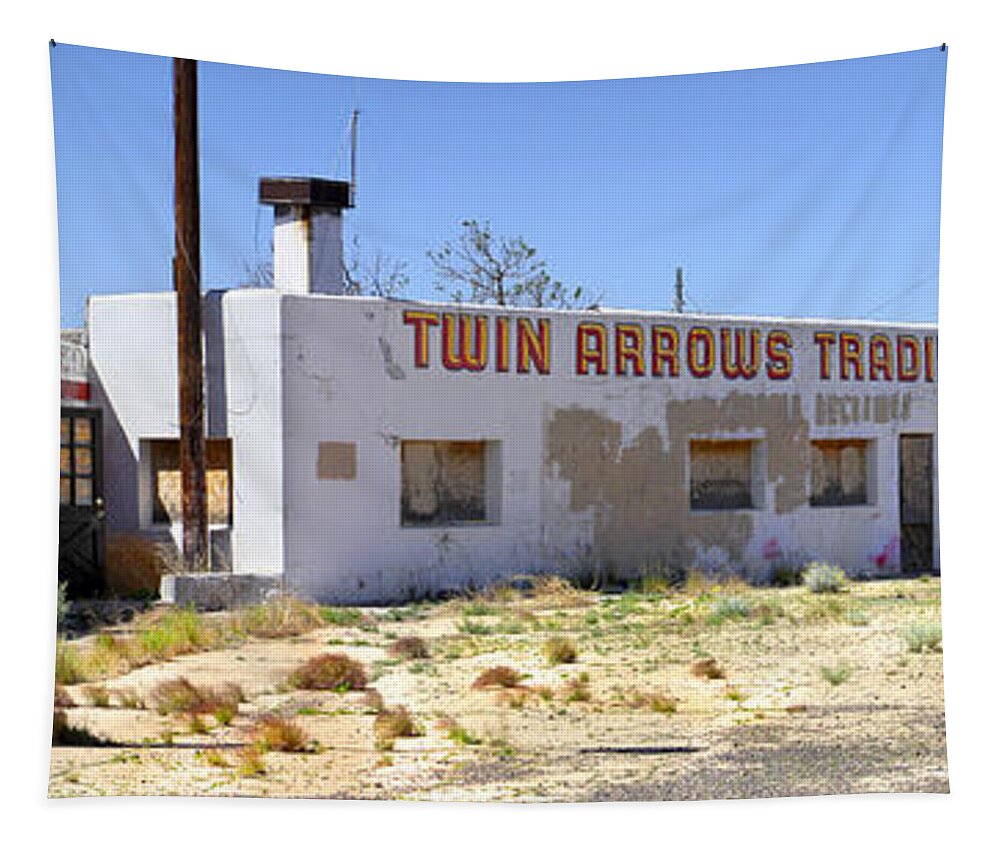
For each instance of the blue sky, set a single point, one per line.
(809, 190)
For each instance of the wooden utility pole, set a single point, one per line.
(187, 284)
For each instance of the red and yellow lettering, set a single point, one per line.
(825, 339)
(741, 367)
(533, 347)
(930, 359)
(880, 357)
(850, 353)
(665, 343)
(701, 366)
(462, 356)
(503, 344)
(628, 349)
(421, 321)
(908, 356)
(779, 355)
(591, 348)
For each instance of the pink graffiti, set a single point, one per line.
(772, 549)
(888, 554)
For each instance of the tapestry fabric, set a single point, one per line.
(535, 442)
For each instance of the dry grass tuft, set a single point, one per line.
(282, 617)
(329, 671)
(273, 733)
(98, 696)
(577, 690)
(560, 651)
(170, 632)
(69, 664)
(373, 700)
(410, 647)
(216, 758)
(654, 701)
(128, 698)
(395, 723)
(62, 699)
(558, 592)
(180, 695)
(134, 564)
(250, 761)
(502, 675)
(708, 669)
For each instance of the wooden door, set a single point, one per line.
(916, 502)
(81, 501)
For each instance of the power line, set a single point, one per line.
(925, 279)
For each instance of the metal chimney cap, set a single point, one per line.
(305, 191)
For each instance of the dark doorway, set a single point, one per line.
(916, 502)
(81, 502)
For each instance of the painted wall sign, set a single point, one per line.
(463, 342)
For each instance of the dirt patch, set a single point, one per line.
(819, 695)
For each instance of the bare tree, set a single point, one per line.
(376, 275)
(479, 267)
(259, 273)
(379, 275)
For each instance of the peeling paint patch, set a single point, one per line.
(337, 461)
(638, 492)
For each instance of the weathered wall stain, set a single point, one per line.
(639, 492)
(834, 410)
(392, 369)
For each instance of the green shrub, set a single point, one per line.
(69, 665)
(822, 578)
(478, 609)
(838, 675)
(457, 733)
(474, 628)
(62, 605)
(857, 617)
(731, 608)
(786, 575)
(923, 636)
(341, 616)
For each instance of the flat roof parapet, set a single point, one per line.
(305, 191)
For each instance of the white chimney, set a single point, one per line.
(308, 232)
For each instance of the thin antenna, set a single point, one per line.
(354, 154)
(679, 291)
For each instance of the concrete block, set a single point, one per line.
(212, 591)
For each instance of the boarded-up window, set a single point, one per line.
(839, 472)
(443, 482)
(165, 484)
(721, 474)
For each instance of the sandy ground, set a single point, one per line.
(819, 694)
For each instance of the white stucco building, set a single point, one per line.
(365, 449)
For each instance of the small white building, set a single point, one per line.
(364, 449)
